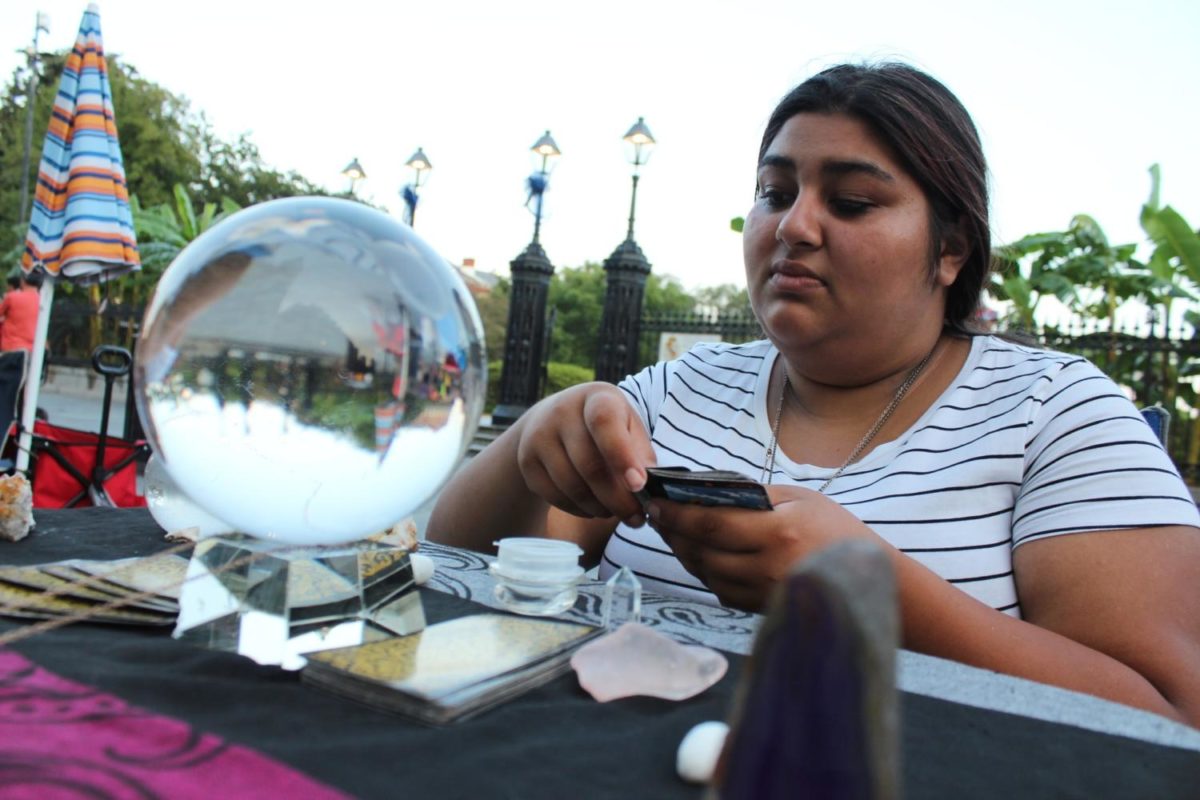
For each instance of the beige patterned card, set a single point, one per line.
(79, 587)
(162, 575)
(26, 603)
(35, 578)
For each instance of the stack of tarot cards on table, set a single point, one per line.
(131, 591)
(453, 669)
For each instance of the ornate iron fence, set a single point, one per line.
(734, 328)
(75, 329)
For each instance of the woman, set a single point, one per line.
(1035, 526)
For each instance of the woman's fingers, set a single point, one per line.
(550, 477)
(737, 579)
(740, 554)
(622, 449)
(584, 451)
(729, 529)
(620, 437)
(799, 516)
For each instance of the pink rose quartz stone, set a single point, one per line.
(636, 660)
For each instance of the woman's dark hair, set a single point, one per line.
(935, 141)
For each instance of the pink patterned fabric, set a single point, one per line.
(62, 740)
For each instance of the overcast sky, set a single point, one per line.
(1074, 99)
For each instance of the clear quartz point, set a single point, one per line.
(622, 599)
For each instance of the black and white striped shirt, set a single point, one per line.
(1023, 444)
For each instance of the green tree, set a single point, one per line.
(1175, 261)
(1077, 266)
(1094, 279)
(234, 170)
(163, 144)
(1175, 265)
(493, 313)
(181, 177)
(164, 230)
(577, 297)
(157, 132)
(725, 298)
(666, 295)
(1091, 277)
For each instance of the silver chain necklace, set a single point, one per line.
(769, 461)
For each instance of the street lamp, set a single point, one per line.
(419, 164)
(545, 149)
(625, 273)
(639, 142)
(31, 54)
(525, 335)
(355, 173)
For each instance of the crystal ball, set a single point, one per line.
(172, 509)
(310, 371)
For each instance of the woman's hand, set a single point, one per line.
(585, 451)
(741, 554)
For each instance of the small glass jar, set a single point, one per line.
(535, 576)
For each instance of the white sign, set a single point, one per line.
(672, 345)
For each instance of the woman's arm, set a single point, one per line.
(1110, 613)
(583, 451)
(1115, 614)
(487, 499)
(1133, 595)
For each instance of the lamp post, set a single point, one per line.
(625, 273)
(419, 164)
(43, 24)
(355, 173)
(640, 142)
(525, 337)
(545, 149)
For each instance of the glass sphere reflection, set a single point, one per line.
(310, 371)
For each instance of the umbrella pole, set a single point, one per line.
(33, 380)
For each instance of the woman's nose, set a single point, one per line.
(800, 226)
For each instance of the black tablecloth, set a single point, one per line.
(555, 741)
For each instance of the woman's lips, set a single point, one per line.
(794, 279)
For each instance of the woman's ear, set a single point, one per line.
(952, 253)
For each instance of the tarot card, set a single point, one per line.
(162, 574)
(23, 602)
(708, 488)
(34, 578)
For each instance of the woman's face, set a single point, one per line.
(837, 244)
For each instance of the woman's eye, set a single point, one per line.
(849, 206)
(773, 198)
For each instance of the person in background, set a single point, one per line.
(14, 284)
(19, 313)
(1035, 525)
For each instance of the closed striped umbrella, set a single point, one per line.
(81, 228)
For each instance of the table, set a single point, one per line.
(966, 732)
